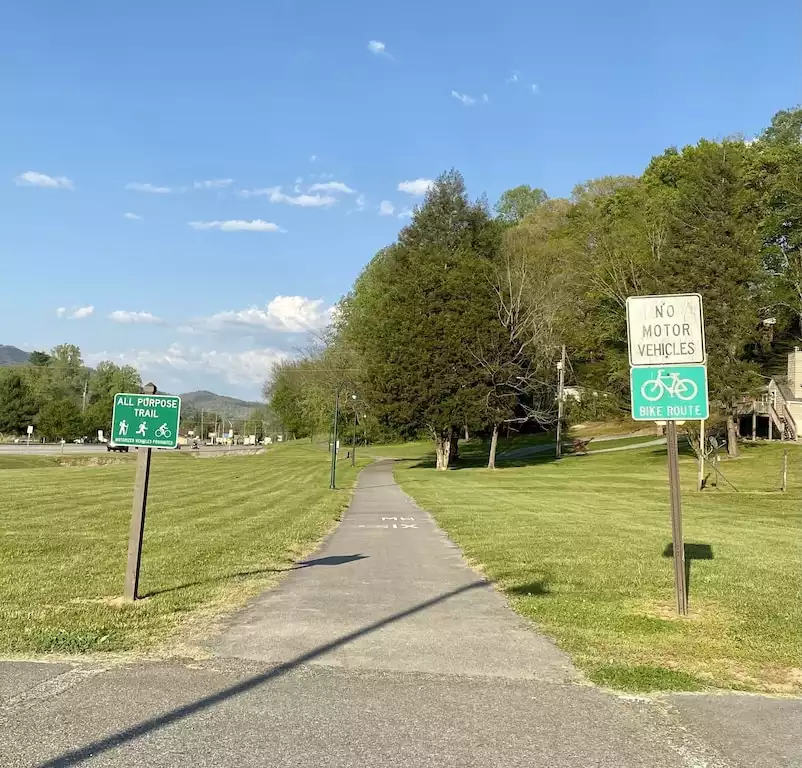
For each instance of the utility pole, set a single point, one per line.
(201, 434)
(333, 478)
(83, 404)
(560, 400)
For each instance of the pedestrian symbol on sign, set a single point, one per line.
(143, 428)
(123, 429)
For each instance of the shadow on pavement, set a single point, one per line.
(331, 560)
(92, 750)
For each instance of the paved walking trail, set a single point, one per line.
(382, 650)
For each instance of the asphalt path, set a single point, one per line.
(383, 649)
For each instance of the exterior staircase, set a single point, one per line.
(781, 416)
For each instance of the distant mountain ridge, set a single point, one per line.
(12, 355)
(221, 404)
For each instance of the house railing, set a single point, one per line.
(781, 416)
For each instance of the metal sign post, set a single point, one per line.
(143, 420)
(676, 519)
(137, 530)
(30, 432)
(668, 379)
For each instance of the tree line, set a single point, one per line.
(62, 398)
(457, 325)
(57, 394)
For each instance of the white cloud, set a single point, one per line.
(360, 204)
(418, 187)
(386, 208)
(378, 48)
(213, 183)
(136, 186)
(485, 98)
(407, 213)
(132, 216)
(468, 101)
(250, 367)
(140, 318)
(286, 314)
(237, 225)
(534, 88)
(77, 313)
(513, 78)
(313, 158)
(36, 179)
(277, 196)
(332, 186)
(81, 312)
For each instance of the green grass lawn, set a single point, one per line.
(218, 530)
(579, 546)
(475, 452)
(620, 442)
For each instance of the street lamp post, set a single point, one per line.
(353, 452)
(333, 478)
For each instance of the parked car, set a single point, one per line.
(112, 446)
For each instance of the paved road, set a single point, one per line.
(385, 650)
(71, 449)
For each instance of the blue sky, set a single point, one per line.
(261, 148)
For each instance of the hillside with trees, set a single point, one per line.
(456, 326)
(60, 396)
(65, 399)
(12, 355)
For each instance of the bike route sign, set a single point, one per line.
(673, 392)
(148, 421)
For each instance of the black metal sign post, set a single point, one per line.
(137, 530)
(680, 586)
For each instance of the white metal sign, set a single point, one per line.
(30, 429)
(665, 330)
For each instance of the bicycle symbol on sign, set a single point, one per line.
(670, 384)
(162, 431)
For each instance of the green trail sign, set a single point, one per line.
(148, 421)
(670, 393)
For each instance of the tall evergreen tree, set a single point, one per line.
(419, 313)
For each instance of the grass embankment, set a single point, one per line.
(217, 531)
(580, 546)
(475, 452)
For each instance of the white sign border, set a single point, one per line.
(669, 296)
(139, 444)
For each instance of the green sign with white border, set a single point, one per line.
(670, 392)
(146, 421)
